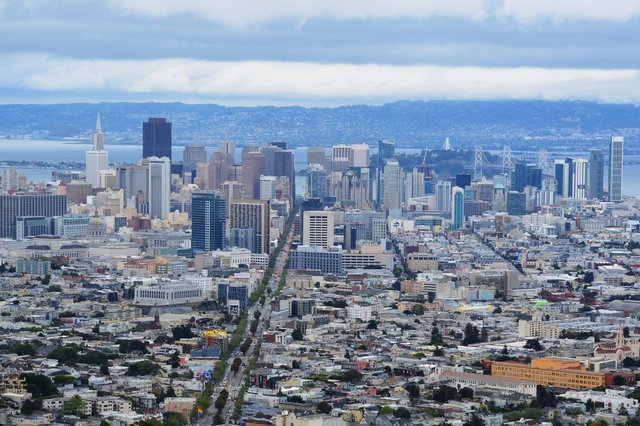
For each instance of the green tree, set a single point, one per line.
(74, 406)
(372, 325)
(590, 406)
(31, 405)
(324, 407)
(24, 349)
(625, 332)
(402, 413)
(474, 420)
(297, 334)
(182, 332)
(38, 385)
(436, 337)
(143, 368)
(104, 369)
(466, 393)
(588, 277)
(471, 335)
(417, 309)
(235, 366)
(385, 410)
(445, 393)
(533, 344)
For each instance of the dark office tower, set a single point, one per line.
(386, 150)
(283, 165)
(156, 138)
(463, 180)
(281, 145)
(252, 169)
(28, 204)
(533, 176)
(208, 218)
(518, 181)
(516, 203)
(596, 175)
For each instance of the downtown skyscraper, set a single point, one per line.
(156, 138)
(596, 175)
(616, 158)
(208, 216)
(97, 159)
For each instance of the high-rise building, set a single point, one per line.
(9, 179)
(443, 196)
(156, 138)
(133, 179)
(580, 176)
(386, 150)
(316, 181)
(97, 159)
(414, 184)
(463, 180)
(359, 155)
(318, 228)
(526, 175)
(231, 190)
(251, 215)
(253, 166)
(340, 158)
(267, 187)
(28, 204)
(393, 185)
(192, 155)
(457, 207)
(208, 218)
(562, 175)
(616, 158)
(596, 174)
(284, 166)
(216, 171)
(159, 186)
(516, 203)
(316, 155)
(228, 149)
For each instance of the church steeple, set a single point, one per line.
(98, 143)
(620, 336)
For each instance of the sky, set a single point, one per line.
(318, 52)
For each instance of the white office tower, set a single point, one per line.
(615, 168)
(159, 186)
(580, 178)
(267, 187)
(318, 228)
(414, 184)
(359, 155)
(9, 179)
(393, 187)
(340, 158)
(97, 159)
(443, 196)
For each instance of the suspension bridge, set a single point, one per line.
(508, 162)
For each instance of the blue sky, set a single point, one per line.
(318, 52)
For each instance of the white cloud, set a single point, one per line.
(254, 12)
(529, 11)
(241, 13)
(304, 82)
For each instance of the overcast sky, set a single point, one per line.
(318, 52)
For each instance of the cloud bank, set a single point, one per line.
(303, 82)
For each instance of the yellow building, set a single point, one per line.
(559, 372)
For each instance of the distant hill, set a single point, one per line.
(412, 123)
